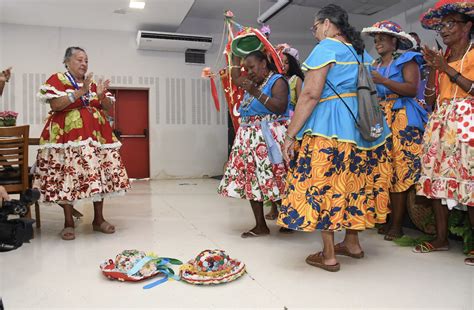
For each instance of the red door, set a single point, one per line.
(131, 126)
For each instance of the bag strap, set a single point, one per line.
(343, 101)
(357, 59)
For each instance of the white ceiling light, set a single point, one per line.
(137, 4)
(273, 10)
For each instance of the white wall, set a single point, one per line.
(194, 146)
(178, 147)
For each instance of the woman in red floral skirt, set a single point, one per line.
(79, 155)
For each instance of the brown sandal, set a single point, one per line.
(68, 233)
(317, 260)
(341, 249)
(105, 227)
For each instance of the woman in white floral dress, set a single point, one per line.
(78, 158)
(255, 170)
(448, 149)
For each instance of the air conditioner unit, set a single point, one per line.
(172, 42)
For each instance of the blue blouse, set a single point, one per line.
(331, 118)
(256, 107)
(417, 116)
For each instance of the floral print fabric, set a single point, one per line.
(249, 174)
(333, 185)
(448, 154)
(79, 154)
(406, 151)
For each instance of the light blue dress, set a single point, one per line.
(331, 118)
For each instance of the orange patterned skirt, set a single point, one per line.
(334, 185)
(406, 148)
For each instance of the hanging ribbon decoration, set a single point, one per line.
(234, 94)
(206, 73)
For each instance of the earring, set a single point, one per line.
(325, 33)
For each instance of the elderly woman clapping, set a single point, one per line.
(79, 155)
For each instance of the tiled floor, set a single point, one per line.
(179, 219)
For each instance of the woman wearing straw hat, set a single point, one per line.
(397, 77)
(337, 180)
(448, 149)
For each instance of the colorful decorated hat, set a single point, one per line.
(246, 43)
(211, 267)
(432, 18)
(405, 40)
(134, 265)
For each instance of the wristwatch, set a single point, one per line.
(71, 97)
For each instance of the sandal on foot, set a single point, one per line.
(469, 261)
(68, 233)
(251, 234)
(390, 237)
(383, 229)
(284, 230)
(341, 249)
(317, 260)
(427, 247)
(105, 227)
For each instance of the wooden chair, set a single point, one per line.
(14, 159)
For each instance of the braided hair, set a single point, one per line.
(338, 16)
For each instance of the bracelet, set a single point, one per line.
(429, 95)
(289, 137)
(71, 97)
(261, 94)
(232, 67)
(266, 100)
(455, 77)
(471, 89)
(428, 88)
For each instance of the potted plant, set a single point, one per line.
(8, 118)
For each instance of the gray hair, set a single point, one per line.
(70, 51)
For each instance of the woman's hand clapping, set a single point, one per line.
(434, 59)
(102, 87)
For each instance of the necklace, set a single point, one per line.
(460, 70)
(385, 73)
(248, 100)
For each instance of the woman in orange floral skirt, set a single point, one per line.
(337, 180)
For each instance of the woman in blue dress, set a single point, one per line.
(397, 76)
(337, 180)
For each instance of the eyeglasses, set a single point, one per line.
(449, 25)
(314, 28)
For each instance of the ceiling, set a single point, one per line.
(361, 7)
(168, 15)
